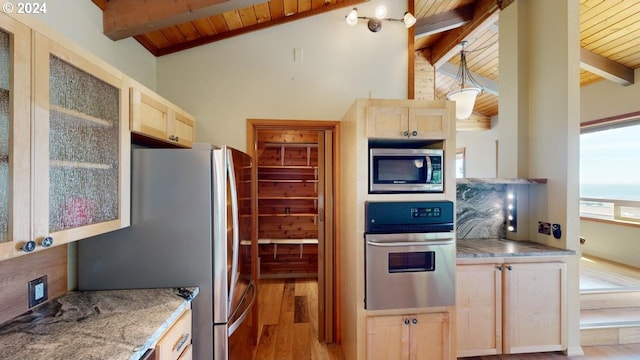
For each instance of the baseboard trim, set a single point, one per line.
(574, 351)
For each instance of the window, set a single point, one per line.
(609, 174)
(460, 163)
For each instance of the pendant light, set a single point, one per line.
(465, 88)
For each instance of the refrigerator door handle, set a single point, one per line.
(235, 224)
(251, 291)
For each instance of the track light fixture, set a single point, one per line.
(375, 23)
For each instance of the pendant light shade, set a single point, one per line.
(463, 94)
(465, 100)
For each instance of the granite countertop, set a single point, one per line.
(513, 181)
(477, 248)
(111, 324)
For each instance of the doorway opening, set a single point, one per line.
(295, 211)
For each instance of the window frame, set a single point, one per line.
(617, 218)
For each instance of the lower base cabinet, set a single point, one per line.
(511, 308)
(409, 337)
(175, 344)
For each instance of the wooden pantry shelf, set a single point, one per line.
(288, 167)
(287, 198)
(290, 144)
(290, 214)
(287, 180)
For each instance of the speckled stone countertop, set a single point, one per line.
(477, 248)
(112, 324)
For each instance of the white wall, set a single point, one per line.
(606, 98)
(255, 76)
(618, 243)
(81, 22)
(480, 151)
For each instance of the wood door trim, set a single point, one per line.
(253, 125)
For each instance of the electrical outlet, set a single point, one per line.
(38, 291)
(544, 228)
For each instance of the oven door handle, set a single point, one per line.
(443, 241)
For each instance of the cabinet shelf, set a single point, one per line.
(77, 115)
(79, 165)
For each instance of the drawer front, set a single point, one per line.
(176, 339)
(187, 354)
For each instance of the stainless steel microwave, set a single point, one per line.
(406, 170)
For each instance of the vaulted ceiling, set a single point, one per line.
(609, 32)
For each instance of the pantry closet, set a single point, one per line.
(294, 162)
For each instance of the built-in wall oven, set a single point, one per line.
(410, 255)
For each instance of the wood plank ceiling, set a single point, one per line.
(609, 32)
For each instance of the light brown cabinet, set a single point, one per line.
(408, 337)
(69, 165)
(154, 117)
(407, 122)
(175, 343)
(15, 137)
(510, 308)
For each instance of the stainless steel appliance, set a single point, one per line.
(410, 255)
(406, 170)
(190, 226)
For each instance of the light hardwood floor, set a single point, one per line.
(598, 274)
(288, 322)
(617, 352)
(288, 329)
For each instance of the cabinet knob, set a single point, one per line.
(499, 268)
(29, 246)
(406, 133)
(177, 138)
(406, 321)
(509, 267)
(414, 321)
(46, 242)
(414, 133)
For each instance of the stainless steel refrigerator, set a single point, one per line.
(190, 226)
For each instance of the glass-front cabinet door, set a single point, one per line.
(81, 145)
(15, 64)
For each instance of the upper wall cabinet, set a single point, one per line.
(154, 117)
(406, 120)
(15, 141)
(68, 161)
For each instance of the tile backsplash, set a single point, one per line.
(481, 210)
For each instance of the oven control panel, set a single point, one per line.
(431, 211)
(411, 216)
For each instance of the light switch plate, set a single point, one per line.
(38, 291)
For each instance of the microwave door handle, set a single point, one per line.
(443, 241)
(429, 169)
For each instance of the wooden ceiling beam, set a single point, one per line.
(485, 14)
(126, 18)
(606, 68)
(438, 23)
(258, 26)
